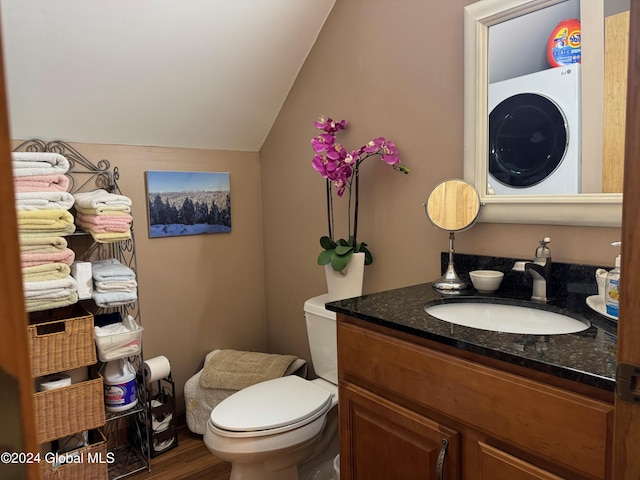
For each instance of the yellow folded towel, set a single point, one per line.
(47, 271)
(110, 237)
(104, 210)
(44, 233)
(235, 370)
(48, 244)
(39, 220)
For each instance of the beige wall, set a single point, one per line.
(392, 69)
(199, 292)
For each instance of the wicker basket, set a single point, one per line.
(61, 339)
(68, 410)
(90, 462)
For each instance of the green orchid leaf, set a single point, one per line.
(338, 262)
(368, 258)
(344, 243)
(327, 243)
(342, 250)
(325, 257)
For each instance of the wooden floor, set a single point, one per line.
(189, 460)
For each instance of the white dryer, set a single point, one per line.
(534, 133)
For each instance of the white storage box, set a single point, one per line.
(119, 345)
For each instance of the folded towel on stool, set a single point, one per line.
(201, 401)
(235, 370)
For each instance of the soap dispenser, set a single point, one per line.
(543, 252)
(612, 286)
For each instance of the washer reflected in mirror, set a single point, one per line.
(454, 206)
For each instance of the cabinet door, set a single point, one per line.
(494, 464)
(382, 440)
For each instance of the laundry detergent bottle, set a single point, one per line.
(565, 43)
(120, 386)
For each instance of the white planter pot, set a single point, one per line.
(348, 282)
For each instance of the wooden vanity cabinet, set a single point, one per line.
(405, 403)
(389, 441)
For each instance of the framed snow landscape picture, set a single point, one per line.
(188, 203)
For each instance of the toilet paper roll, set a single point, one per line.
(159, 422)
(156, 368)
(160, 446)
(54, 381)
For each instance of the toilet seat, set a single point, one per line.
(270, 407)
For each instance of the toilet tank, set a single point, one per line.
(321, 330)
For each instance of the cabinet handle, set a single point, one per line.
(443, 453)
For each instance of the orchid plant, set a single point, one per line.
(341, 169)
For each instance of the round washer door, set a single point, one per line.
(528, 138)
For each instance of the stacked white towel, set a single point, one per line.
(105, 215)
(114, 283)
(44, 200)
(26, 164)
(42, 205)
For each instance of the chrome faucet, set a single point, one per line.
(540, 270)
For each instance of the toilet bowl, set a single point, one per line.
(275, 430)
(267, 429)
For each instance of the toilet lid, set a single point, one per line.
(271, 405)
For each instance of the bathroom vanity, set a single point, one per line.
(421, 398)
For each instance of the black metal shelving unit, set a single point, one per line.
(125, 431)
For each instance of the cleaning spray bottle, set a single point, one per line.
(612, 286)
(120, 388)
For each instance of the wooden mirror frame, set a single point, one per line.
(586, 209)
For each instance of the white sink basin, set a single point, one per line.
(506, 318)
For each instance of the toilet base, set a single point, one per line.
(278, 467)
(266, 458)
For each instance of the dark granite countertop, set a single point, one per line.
(587, 357)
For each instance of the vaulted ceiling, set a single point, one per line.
(197, 73)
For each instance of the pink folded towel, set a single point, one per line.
(41, 183)
(123, 221)
(102, 227)
(66, 256)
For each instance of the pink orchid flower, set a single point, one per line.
(329, 125)
(340, 169)
(323, 142)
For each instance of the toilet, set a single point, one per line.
(285, 428)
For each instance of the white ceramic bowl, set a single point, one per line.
(486, 281)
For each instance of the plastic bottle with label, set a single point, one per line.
(120, 386)
(565, 43)
(612, 289)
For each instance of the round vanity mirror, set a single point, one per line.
(454, 206)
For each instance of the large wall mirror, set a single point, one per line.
(544, 143)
